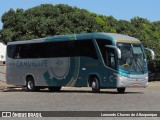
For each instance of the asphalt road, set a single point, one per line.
(82, 99)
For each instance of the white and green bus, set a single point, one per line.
(96, 60)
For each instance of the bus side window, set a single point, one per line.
(110, 58)
(12, 51)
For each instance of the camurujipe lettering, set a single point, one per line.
(32, 64)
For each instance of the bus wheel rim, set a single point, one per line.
(94, 84)
(30, 85)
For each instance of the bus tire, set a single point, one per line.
(30, 85)
(55, 89)
(95, 85)
(121, 90)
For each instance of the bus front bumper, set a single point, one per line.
(132, 82)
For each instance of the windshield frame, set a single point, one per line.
(138, 62)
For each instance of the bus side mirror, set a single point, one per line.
(118, 51)
(151, 51)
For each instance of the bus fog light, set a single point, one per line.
(122, 84)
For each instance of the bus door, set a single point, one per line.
(112, 54)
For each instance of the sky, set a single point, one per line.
(119, 9)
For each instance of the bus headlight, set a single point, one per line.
(146, 78)
(122, 77)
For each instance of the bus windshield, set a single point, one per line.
(133, 58)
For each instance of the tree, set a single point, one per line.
(46, 20)
(125, 27)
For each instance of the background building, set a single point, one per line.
(2, 53)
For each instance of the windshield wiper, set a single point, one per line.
(136, 65)
(139, 65)
(133, 65)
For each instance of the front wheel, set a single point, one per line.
(95, 85)
(121, 90)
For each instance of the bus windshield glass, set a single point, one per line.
(133, 58)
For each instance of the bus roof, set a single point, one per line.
(114, 37)
(123, 38)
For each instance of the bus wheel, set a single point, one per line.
(95, 85)
(121, 90)
(30, 84)
(55, 89)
